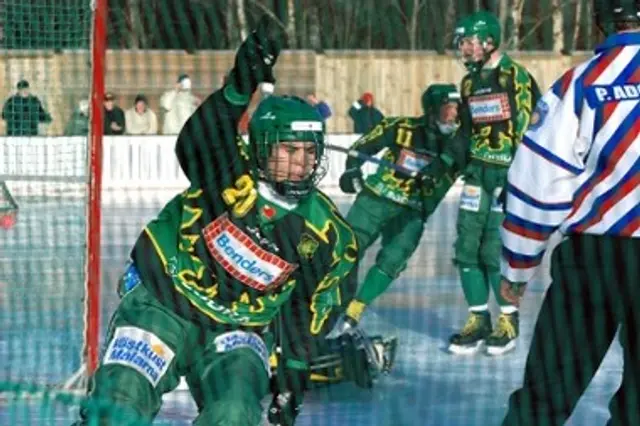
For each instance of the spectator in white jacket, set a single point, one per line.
(178, 105)
(140, 119)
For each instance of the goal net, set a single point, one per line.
(47, 198)
(75, 192)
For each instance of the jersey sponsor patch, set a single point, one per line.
(232, 340)
(412, 161)
(470, 198)
(601, 94)
(490, 108)
(538, 116)
(244, 259)
(141, 350)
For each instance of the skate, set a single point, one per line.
(473, 334)
(385, 350)
(503, 338)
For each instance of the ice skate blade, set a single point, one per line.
(501, 350)
(466, 349)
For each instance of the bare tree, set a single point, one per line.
(242, 19)
(413, 20)
(137, 35)
(589, 35)
(557, 24)
(576, 28)
(516, 20)
(291, 24)
(450, 16)
(503, 15)
(230, 25)
(313, 27)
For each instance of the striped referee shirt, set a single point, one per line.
(578, 167)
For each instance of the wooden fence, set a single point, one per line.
(396, 78)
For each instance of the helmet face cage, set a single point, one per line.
(267, 145)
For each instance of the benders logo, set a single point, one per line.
(489, 108)
(485, 109)
(243, 258)
(250, 266)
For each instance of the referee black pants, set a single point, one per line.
(595, 290)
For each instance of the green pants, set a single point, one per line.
(149, 348)
(400, 227)
(478, 244)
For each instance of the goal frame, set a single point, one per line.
(93, 278)
(92, 305)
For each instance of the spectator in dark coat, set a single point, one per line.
(114, 123)
(364, 114)
(23, 112)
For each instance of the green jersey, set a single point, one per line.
(496, 109)
(228, 252)
(409, 142)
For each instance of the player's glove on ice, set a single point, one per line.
(351, 181)
(288, 392)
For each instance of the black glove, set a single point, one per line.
(257, 56)
(351, 181)
(284, 408)
(287, 387)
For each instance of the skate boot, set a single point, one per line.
(473, 334)
(503, 338)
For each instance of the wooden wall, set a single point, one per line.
(396, 78)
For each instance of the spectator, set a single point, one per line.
(140, 119)
(78, 124)
(321, 106)
(178, 105)
(114, 123)
(364, 114)
(23, 112)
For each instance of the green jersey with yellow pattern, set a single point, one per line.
(410, 142)
(497, 103)
(228, 252)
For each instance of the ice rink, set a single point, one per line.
(41, 326)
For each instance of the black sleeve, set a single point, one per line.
(119, 119)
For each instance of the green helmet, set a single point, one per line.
(461, 31)
(433, 99)
(286, 119)
(485, 26)
(437, 95)
(610, 14)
